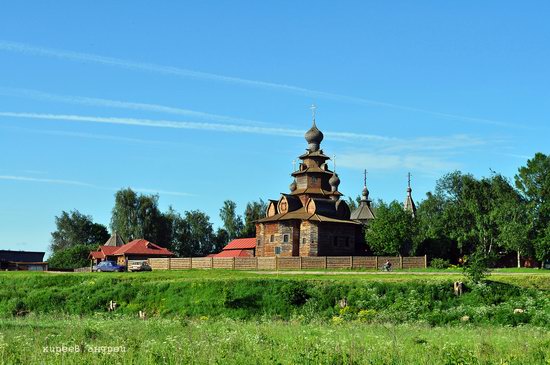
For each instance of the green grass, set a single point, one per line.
(386, 298)
(226, 341)
(235, 317)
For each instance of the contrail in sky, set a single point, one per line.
(186, 73)
(84, 100)
(87, 185)
(214, 127)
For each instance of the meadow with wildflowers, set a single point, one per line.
(252, 318)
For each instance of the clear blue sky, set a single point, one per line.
(208, 101)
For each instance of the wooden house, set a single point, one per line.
(22, 261)
(116, 250)
(311, 219)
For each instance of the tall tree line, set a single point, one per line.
(137, 215)
(488, 217)
(464, 215)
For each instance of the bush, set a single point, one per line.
(438, 263)
(476, 266)
(71, 257)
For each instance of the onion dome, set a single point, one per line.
(334, 181)
(314, 137)
(365, 195)
(293, 185)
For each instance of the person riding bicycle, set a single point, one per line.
(387, 266)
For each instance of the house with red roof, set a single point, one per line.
(239, 247)
(116, 250)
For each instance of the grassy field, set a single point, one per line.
(207, 341)
(234, 317)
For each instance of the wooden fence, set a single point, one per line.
(84, 269)
(288, 263)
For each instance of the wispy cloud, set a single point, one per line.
(432, 165)
(186, 73)
(157, 108)
(103, 137)
(87, 185)
(213, 127)
(49, 181)
(383, 144)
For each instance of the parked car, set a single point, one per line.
(139, 266)
(109, 266)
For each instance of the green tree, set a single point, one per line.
(432, 236)
(393, 231)
(232, 222)
(200, 234)
(510, 213)
(138, 216)
(71, 257)
(74, 228)
(254, 211)
(483, 216)
(533, 181)
(175, 230)
(221, 239)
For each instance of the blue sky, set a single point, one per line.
(207, 101)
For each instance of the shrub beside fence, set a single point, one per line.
(288, 263)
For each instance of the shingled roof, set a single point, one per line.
(115, 240)
(363, 213)
(409, 205)
(142, 247)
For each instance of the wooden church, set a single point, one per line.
(311, 219)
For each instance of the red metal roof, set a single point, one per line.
(97, 255)
(103, 251)
(141, 247)
(235, 253)
(241, 243)
(108, 250)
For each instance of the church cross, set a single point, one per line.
(365, 177)
(313, 108)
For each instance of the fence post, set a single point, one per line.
(276, 263)
(191, 262)
(169, 263)
(300, 262)
(255, 258)
(325, 262)
(400, 262)
(211, 262)
(351, 262)
(233, 264)
(376, 262)
(425, 261)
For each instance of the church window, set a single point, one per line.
(258, 242)
(285, 238)
(303, 241)
(277, 250)
(272, 238)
